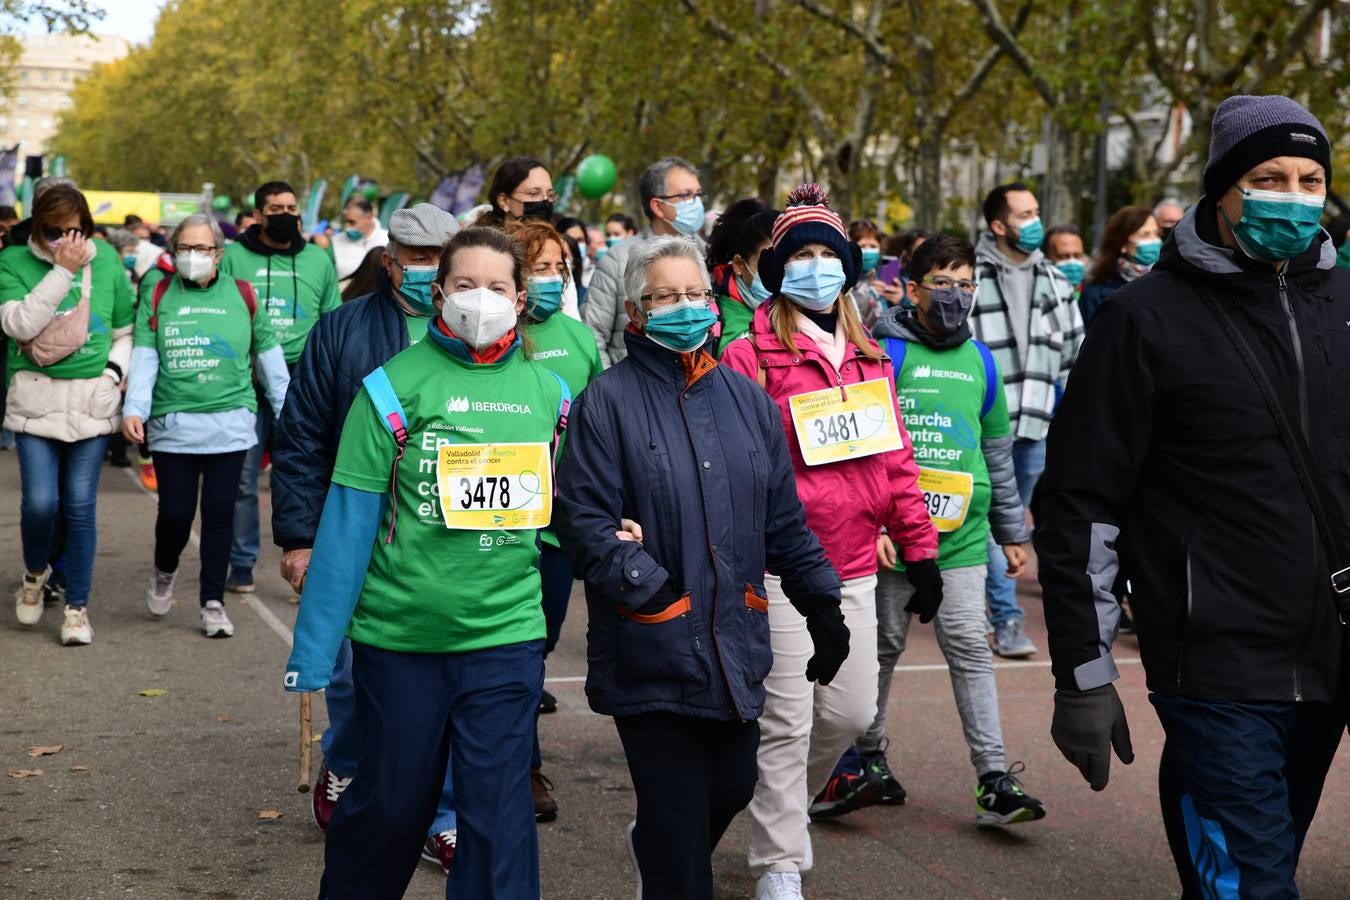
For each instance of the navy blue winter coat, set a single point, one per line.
(695, 454)
(345, 346)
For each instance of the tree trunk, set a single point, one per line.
(928, 192)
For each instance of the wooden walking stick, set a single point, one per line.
(306, 743)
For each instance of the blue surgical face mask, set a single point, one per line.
(688, 216)
(1073, 269)
(1276, 225)
(353, 234)
(129, 260)
(813, 283)
(544, 295)
(600, 254)
(1146, 253)
(754, 293)
(612, 240)
(416, 288)
(870, 257)
(681, 327)
(1030, 235)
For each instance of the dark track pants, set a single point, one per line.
(413, 710)
(1239, 784)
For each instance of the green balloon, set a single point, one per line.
(221, 203)
(371, 191)
(595, 176)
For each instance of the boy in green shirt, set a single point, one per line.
(953, 403)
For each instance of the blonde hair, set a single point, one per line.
(782, 315)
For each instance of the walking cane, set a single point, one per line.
(306, 744)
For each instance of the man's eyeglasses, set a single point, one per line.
(667, 298)
(680, 198)
(941, 284)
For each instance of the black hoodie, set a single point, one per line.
(1165, 467)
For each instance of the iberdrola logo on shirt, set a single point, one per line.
(464, 404)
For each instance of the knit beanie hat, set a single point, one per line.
(1247, 131)
(808, 219)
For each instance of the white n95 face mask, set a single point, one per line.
(479, 317)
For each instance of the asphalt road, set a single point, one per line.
(160, 796)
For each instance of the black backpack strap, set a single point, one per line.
(1334, 541)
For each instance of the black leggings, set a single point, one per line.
(178, 475)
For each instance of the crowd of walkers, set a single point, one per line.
(764, 441)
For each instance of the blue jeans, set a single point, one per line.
(244, 547)
(342, 738)
(60, 480)
(1000, 591)
(415, 711)
(1239, 784)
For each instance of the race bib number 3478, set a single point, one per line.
(486, 487)
(832, 426)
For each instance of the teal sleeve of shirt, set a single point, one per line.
(342, 549)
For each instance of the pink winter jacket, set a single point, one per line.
(848, 502)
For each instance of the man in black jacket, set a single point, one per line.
(1166, 467)
(345, 346)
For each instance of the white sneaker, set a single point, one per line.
(75, 630)
(215, 624)
(779, 886)
(159, 599)
(28, 598)
(632, 854)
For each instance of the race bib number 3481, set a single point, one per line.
(832, 426)
(495, 486)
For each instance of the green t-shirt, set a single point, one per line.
(110, 302)
(206, 342)
(736, 318)
(276, 279)
(941, 393)
(567, 348)
(145, 291)
(417, 327)
(434, 589)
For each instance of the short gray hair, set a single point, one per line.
(645, 253)
(652, 184)
(122, 239)
(192, 221)
(1169, 201)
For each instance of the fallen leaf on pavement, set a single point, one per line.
(316, 739)
(79, 768)
(222, 718)
(153, 692)
(269, 814)
(24, 773)
(45, 751)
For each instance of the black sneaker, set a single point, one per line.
(877, 769)
(1001, 801)
(53, 594)
(547, 703)
(240, 581)
(843, 794)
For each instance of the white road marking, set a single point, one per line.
(284, 632)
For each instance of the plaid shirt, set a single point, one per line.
(1054, 335)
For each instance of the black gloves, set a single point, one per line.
(926, 578)
(829, 636)
(1086, 725)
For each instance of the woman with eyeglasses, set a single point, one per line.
(675, 496)
(521, 189)
(564, 346)
(738, 238)
(66, 305)
(190, 396)
(855, 473)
